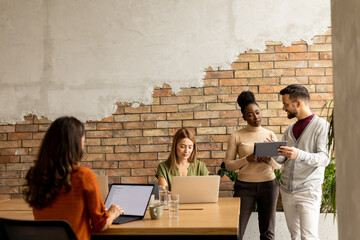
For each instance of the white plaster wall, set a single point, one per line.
(346, 52)
(80, 57)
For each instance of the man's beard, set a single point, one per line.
(292, 114)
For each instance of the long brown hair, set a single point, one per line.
(60, 149)
(180, 135)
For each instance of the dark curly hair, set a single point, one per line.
(244, 99)
(60, 149)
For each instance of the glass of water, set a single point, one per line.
(163, 193)
(173, 202)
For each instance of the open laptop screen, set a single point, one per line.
(132, 198)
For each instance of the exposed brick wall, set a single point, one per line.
(128, 145)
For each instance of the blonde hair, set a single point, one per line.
(180, 135)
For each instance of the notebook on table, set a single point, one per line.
(196, 189)
(132, 198)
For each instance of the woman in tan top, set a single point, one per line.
(256, 182)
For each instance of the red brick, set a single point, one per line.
(238, 90)
(278, 72)
(154, 148)
(233, 82)
(104, 120)
(207, 114)
(18, 166)
(175, 100)
(127, 149)
(141, 109)
(264, 81)
(29, 119)
(31, 143)
(128, 133)
(139, 125)
(328, 71)
(3, 136)
(139, 180)
(248, 73)
(162, 140)
(153, 117)
(9, 159)
(39, 135)
(318, 39)
(294, 80)
(140, 140)
(118, 172)
(118, 157)
(127, 118)
(163, 93)
(217, 90)
(219, 74)
(19, 136)
(11, 174)
(151, 164)
(190, 92)
(324, 88)
(14, 151)
(105, 165)
(143, 172)
(221, 106)
(131, 164)
(28, 158)
(310, 72)
(230, 114)
(192, 107)
(168, 124)
(271, 89)
(293, 48)
(266, 97)
(155, 132)
(321, 96)
(220, 138)
(211, 130)
(114, 141)
(239, 65)
(320, 63)
(90, 126)
(211, 82)
(98, 134)
(304, 56)
(320, 80)
(248, 58)
(167, 108)
(209, 146)
(44, 127)
(275, 105)
(179, 116)
(108, 126)
(9, 190)
(143, 156)
(320, 48)
(223, 122)
(195, 123)
(261, 65)
(203, 99)
(27, 128)
(281, 121)
(291, 64)
(326, 56)
(34, 150)
(92, 141)
(10, 144)
(94, 157)
(100, 149)
(274, 57)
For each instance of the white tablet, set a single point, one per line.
(266, 149)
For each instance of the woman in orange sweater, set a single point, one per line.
(57, 188)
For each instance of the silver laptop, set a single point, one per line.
(196, 189)
(132, 198)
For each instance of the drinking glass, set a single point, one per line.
(163, 193)
(173, 202)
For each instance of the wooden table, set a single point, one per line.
(201, 221)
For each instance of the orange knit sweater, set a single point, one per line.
(82, 206)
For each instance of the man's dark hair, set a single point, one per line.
(296, 91)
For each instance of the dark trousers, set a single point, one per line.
(265, 194)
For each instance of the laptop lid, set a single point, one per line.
(196, 189)
(132, 198)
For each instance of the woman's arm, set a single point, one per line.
(162, 181)
(114, 212)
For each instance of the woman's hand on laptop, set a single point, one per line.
(114, 212)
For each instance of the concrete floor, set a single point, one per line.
(328, 229)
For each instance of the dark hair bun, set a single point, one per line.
(245, 98)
